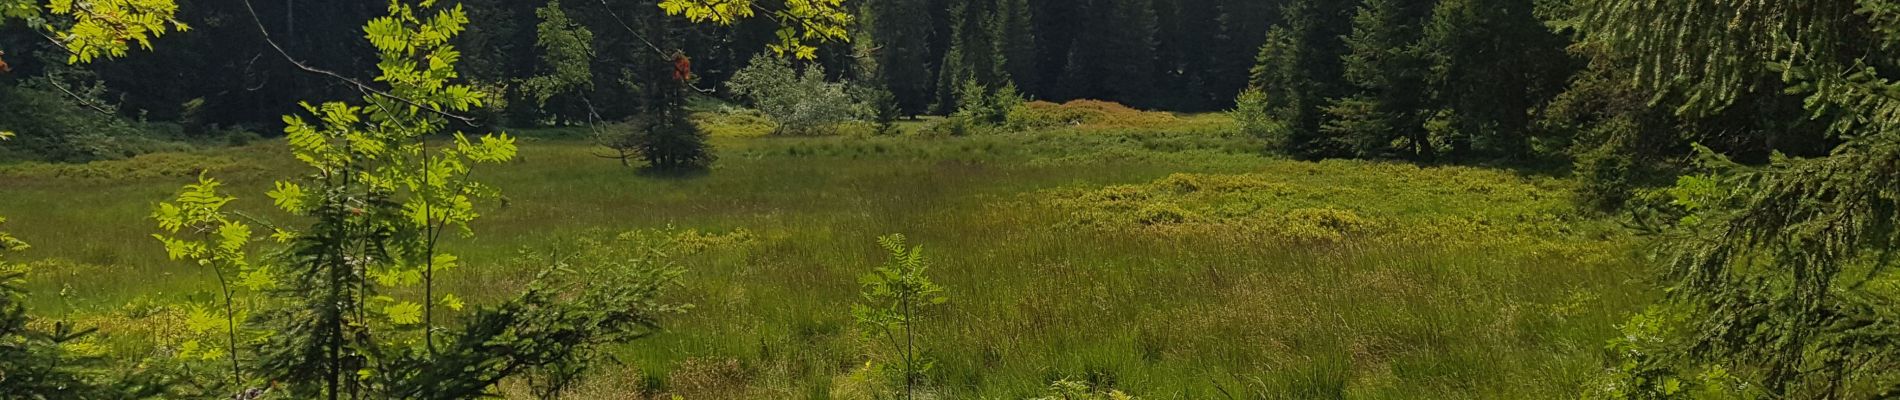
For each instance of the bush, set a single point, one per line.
(1043, 114)
(1295, 202)
(170, 165)
(1085, 114)
(802, 103)
(1065, 389)
(734, 122)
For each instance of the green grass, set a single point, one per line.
(1463, 282)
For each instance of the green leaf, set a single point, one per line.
(404, 313)
(233, 236)
(257, 280)
(288, 196)
(452, 302)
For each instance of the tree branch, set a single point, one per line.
(345, 79)
(657, 51)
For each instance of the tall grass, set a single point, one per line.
(1421, 308)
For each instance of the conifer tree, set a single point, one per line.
(900, 31)
(1014, 32)
(1382, 117)
(1222, 45)
(1299, 69)
(1112, 57)
(1780, 272)
(1491, 62)
(971, 56)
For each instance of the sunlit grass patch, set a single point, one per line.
(1331, 201)
(734, 122)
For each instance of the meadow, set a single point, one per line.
(1169, 263)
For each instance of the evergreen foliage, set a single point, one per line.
(899, 34)
(1780, 268)
(1385, 117)
(1300, 67)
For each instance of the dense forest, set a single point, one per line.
(1713, 177)
(1450, 80)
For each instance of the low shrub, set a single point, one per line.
(1065, 389)
(1085, 114)
(141, 167)
(1300, 202)
(734, 122)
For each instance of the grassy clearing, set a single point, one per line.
(1173, 264)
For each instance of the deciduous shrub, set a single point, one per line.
(1064, 389)
(802, 103)
(896, 295)
(734, 122)
(142, 167)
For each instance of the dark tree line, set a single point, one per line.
(1425, 80)
(1189, 55)
(1499, 80)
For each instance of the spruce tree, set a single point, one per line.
(1014, 32)
(971, 55)
(1780, 274)
(900, 33)
(1492, 62)
(1382, 117)
(1112, 58)
(1219, 44)
(1299, 69)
